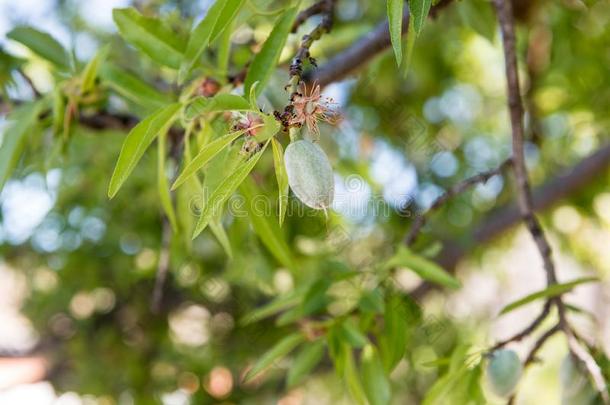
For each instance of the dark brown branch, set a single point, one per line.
(317, 8)
(527, 330)
(454, 190)
(326, 8)
(524, 195)
(568, 183)
(365, 49)
(30, 83)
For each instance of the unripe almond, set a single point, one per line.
(310, 174)
(575, 386)
(503, 372)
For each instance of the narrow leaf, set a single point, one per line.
(351, 375)
(20, 124)
(265, 61)
(419, 10)
(267, 230)
(136, 143)
(281, 176)
(132, 88)
(220, 102)
(204, 156)
(425, 268)
(150, 35)
(395, 8)
(276, 353)
(228, 14)
(162, 184)
(549, 292)
(221, 236)
(279, 304)
(91, 70)
(409, 45)
(219, 16)
(224, 190)
(352, 335)
(305, 362)
(42, 44)
(375, 382)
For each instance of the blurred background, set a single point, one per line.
(77, 270)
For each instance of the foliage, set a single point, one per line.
(282, 295)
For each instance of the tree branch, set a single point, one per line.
(365, 49)
(454, 190)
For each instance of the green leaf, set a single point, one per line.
(20, 124)
(425, 268)
(265, 61)
(224, 190)
(137, 141)
(219, 16)
(150, 35)
(267, 230)
(375, 382)
(91, 70)
(393, 340)
(395, 8)
(478, 15)
(221, 236)
(42, 44)
(220, 102)
(351, 334)
(204, 156)
(279, 304)
(304, 362)
(409, 45)
(372, 301)
(276, 353)
(419, 10)
(228, 14)
(549, 292)
(281, 176)
(270, 128)
(351, 376)
(162, 184)
(59, 110)
(132, 88)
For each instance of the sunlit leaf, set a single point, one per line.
(264, 62)
(219, 16)
(374, 380)
(150, 35)
(20, 124)
(220, 102)
(351, 334)
(224, 190)
(132, 88)
(478, 15)
(204, 156)
(279, 304)
(549, 292)
(91, 70)
(137, 141)
(276, 353)
(42, 44)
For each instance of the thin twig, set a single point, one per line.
(316, 8)
(162, 268)
(30, 83)
(524, 195)
(527, 330)
(459, 188)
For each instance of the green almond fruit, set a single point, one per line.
(310, 174)
(504, 371)
(575, 385)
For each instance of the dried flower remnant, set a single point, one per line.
(310, 107)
